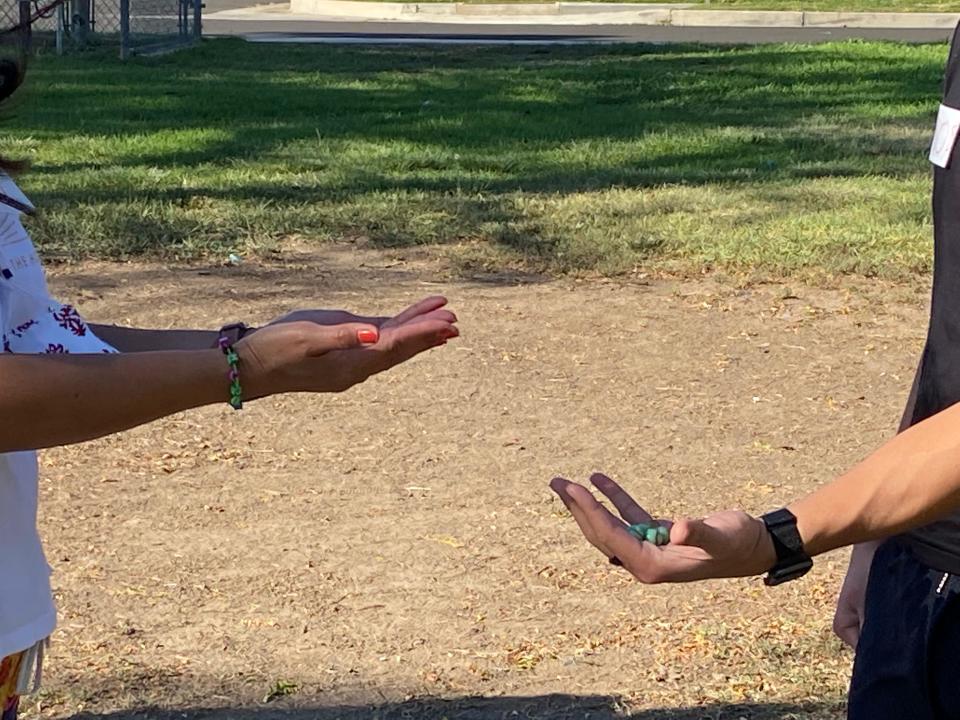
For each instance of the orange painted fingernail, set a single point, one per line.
(368, 337)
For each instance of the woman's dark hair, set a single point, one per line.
(11, 77)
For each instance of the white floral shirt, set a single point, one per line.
(31, 322)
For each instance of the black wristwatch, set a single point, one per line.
(235, 332)
(792, 560)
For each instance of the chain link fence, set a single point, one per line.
(133, 26)
(157, 25)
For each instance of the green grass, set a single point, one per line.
(773, 159)
(833, 5)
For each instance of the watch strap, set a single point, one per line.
(792, 560)
(234, 332)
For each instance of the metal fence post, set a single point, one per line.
(60, 30)
(197, 19)
(124, 29)
(25, 29)
(80, 22)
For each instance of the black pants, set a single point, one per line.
(908, 659)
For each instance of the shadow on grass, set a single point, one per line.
(498, 109)
(263, 97)
(546, 707)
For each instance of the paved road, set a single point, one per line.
(366, 32)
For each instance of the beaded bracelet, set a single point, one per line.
(233, 360)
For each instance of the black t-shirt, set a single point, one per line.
(937, 385)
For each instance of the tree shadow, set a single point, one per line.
(456, 127)
(552, 707)
(498, 110)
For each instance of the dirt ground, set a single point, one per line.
(394, 552)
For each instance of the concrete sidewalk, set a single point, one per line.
(578, 13)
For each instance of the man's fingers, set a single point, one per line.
(647, 562)
(609, 530)
(559, 486)
(565, 489)
(627, 507)
(848, 633)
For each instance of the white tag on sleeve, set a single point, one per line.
(945, 137)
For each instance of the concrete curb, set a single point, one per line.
(627, 14)
(742, 18)
(909, 21)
